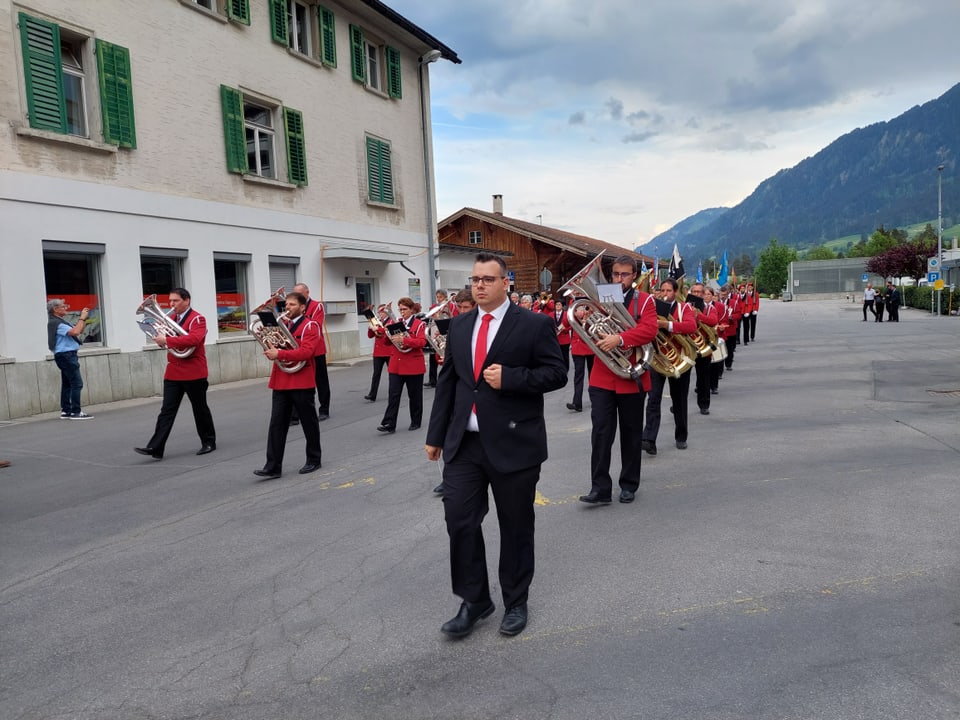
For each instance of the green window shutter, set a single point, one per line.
(278, 22)
(231, 102)
(296, 146)
(379, 171)
(40, 42)
(328, 37)
(239, 11)
(393, 73)
(116, 95)
(358, 54)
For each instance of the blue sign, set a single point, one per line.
(862, 277)
(933, 276)
(511, 276)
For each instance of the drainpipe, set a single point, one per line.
(423, 76)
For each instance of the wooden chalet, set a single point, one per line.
(527, 247)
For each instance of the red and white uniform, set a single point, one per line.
(307, 334)
(381, 343)
(314, 311)
(410, 363)
(710, 315)
(564, 332)
(193, 367)
(643, 308)
(734, 313)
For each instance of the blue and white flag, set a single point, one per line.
(700, 271)
(722, 277)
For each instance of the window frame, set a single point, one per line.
(379, 161)
(241, 263)
(375, 64)
(258, 129)
(92, 255)
(475, 237)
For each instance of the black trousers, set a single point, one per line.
(704, 371)
(432, 371)
(878, 312)
(582, 367)
(679, 390)
(414, 385)
(753, 326)
(173, 392)
(716, 372)
(466, 480)
(323, 384)
(868, 305)
(608, 410)
(565, 351)
(731, 349)
(893, 313)
(379, 363)
(284, 402)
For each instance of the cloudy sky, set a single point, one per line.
(619, 118)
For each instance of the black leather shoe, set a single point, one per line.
(294, 421)
(386, 429)
(704, 411)
(266, 474)
(650, 447)
(438, 490)
(149, 451)
(430, 385)
(207, 449)
(371, 398)
(681, 444)
(323, 416)
(594, 498)
(514, 620)
(414, 426)
(627, 496)
(575, 408)
(309, 468)
(469, 615)
(714, 391)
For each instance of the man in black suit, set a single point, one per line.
(487, 421)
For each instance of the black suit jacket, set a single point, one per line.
(512, 427)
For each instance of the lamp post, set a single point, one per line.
(939, 231)
(429, 57)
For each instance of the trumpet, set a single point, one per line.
(270, 330)
(156, 322)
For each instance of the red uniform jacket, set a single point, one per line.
(710, 315)
(381, 343)
(752, 302)
(685, 319)
(577, 345)
(314, 311)
(564, 332)
(307, 334)
(734, 314)
(195, 366)
(643, 308)
(410, 363)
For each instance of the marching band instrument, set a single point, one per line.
(373, 317)
(678, 350)
(436, 334)
(270, 330)
(157, 322)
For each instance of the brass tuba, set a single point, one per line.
(601, 319)
(678, 350)
(156, 322)
(437, 339)
(274, 333)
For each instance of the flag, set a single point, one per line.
(722, 277)
(700, 271)
(733, 275)
(655, 269)
(643, 266)
(676, 265)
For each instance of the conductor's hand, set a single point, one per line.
(492, 375)
(433, 452)
(608, 342)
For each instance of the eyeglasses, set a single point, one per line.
(619, 275)
(484, 279)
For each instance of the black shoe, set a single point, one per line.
(371, 398)
(386, 429)
(309, 468)
(681, 444)
(514, 620)
(207, 448)
(266, 474)
(704, 411)
(650, 447)
(294, 421)
(430, 385)
(321, 416)
(470, 614)
(594, 498)
(414, 426)
(575, 408)
(438, 490)
(149, 451)
(714, 391)
(627, 496)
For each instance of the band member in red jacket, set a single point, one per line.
(615, 400)
(712, 302)
(293, 390)
(734, 315)
(564, 332)
(750, 310)
(675, 317)
(406, 368)
(314, 311)
(381, 353)
(706, 314)
(183, 376)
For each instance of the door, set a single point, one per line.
(365, 299)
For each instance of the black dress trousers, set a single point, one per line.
(173, 392)
(608, 410)
(284, 402)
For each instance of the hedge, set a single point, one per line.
(919, 297)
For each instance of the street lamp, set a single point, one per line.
(940, 231)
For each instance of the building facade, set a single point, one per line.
(225, 146)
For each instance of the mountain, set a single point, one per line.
(883, 174)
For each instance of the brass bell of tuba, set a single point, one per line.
(273, 333)
(436, 338)
(157, 322)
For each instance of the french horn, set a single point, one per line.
(157, 322)
(275, 336)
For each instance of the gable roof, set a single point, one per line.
(422, 35)
(579, 244)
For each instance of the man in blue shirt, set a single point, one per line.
(63, 343)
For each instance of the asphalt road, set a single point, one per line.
(799, 560)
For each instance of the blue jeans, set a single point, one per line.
(70, 381)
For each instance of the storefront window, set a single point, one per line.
(75, 277)
(160, 275)
(231, 284)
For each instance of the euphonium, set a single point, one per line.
(156, 322)
(437, 340)
(678, 350)
(275, 335)
(373, 317)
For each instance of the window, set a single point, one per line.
(375, 64)
(476, 237)
(302, 26)
(249, 126)
(230, 274)
(283, 272)
(58, 73)
(71, 271)
(161, 270)
(379, 171)
(208, 4)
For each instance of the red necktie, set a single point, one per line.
(480, 352)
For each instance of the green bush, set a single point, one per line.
(919, 297)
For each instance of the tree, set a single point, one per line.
(883, 240)
(772, 266)
(819, 252)
(744, 265)
(907, 260)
